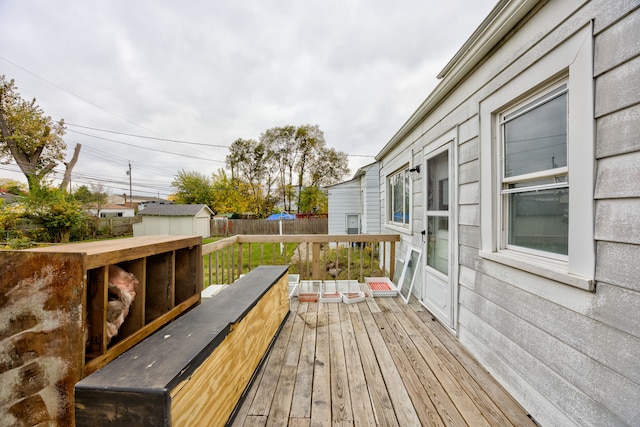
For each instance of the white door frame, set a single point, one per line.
(447, 142)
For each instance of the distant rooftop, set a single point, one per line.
(173, 210)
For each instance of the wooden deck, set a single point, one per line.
(378, 362)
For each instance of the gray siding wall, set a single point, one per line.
(344, 199)
(371, 200)
(570, 356)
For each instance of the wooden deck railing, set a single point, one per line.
(312, 256)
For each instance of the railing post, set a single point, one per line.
(315, 256)
(392, 259)
(239, 259)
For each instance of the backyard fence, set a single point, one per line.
(230, 227)
(118, 226)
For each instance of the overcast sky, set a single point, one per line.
(210, 72)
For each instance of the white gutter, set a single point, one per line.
(502, 18)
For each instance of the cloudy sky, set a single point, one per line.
(168, 85)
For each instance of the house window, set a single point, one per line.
(399, 201)
(535, 175)
(537, 167)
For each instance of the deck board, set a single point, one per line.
(378, 362)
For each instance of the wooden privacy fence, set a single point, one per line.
(118, 226)
(317, 257)
(230, 227)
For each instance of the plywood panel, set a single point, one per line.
(210, 395)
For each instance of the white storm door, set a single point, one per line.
(437, 295)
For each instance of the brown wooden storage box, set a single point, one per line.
(194, 370)
(50, 295)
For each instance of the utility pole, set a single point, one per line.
(130, 190)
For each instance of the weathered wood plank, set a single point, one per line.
(321, 397)
(282, 396)
(360, 401)
(410, 349)
(283, 393)
(301, 404)
(340, 394)
(432, 405)
(378, 393)
(461, 361)
(404, 410)
(471, 401)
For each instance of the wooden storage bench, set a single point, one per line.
(54, 301)
(194, 370)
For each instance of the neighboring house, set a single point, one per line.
(181, 220)
(354, 205)
(527, 205)
(111, 211)
(138, 202)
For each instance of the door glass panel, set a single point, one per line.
(438, 243)
(438, 182)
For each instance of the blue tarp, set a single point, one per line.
(278, 216)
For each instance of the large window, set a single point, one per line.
(535, 175)
(399, 193)
(537, 166)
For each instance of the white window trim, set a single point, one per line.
(564, 171)
(400, 227)
(575, 58)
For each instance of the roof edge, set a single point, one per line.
(502, 18)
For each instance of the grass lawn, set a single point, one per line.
(334, 260)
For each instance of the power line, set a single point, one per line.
(145, 148)
(76, 96)
(147, 137)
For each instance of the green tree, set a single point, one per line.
(228, 196)
(250, 163)
(313, 200)
(280, 143)
(59, 212)
(192, 187)
(29, 137)
(329, 167)
(94, 198)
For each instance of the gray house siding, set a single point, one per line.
(358, 196)
(371, 200)
(569, 355)
(344, 199)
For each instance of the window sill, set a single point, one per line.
(553, 270)
(404, 229)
